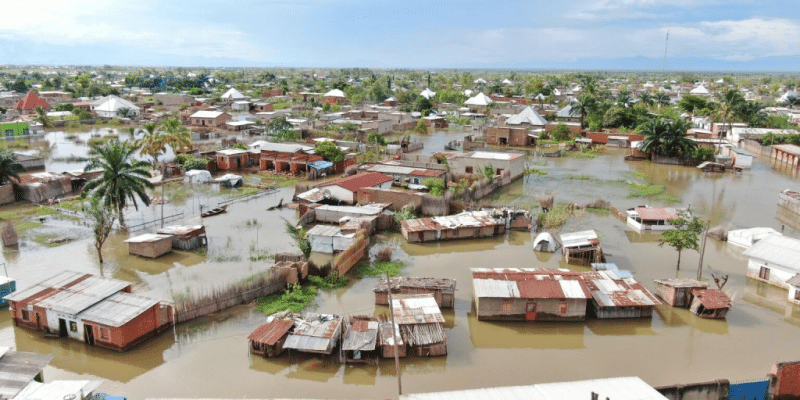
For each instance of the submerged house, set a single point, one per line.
(582, 248)
(420, 323)
(360, 339)
(774, 259)
(150, 245)
(617, 297)
(746, 238)
(268, 339)
(344, 189)
(95, 310)
(442, 289)
(678, 292)
(529, 294)
(468, 224)
(386, 340)
(651, 218)
(314, 333)
(710, 303)
(329, 239)
(185, 237)
(545, 242)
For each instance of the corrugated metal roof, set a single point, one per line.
(18, 369)
(82, 295)
(147, 238)
(577, 239)
(318, 325)
(361, 335)
(416, 309)
(271, 332)
(358, 181)
(324, 230)
(181, 230)
(682, 283)
(57, 390)
(779, 250)
(623, 388)
(495, 288)
(308, 343)
(574, 289)
(657, 213)
(56, 282)
(609, 292)
(443, 284)
(712, 298)
(118, 309)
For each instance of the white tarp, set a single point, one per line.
(197, 176)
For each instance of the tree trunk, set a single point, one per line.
(99, 248)
(120, 205)
(679, 261)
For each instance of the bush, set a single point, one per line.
(703, 153)
(435, 186)
(384, 254)
(561, 133)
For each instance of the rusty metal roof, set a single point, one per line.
(358, 181)
(682, 283)
(416, 309)
(54, 283)
(443, 284)
(609, 292)
(271, 332)
(657, 213)
(464, 219)
(712, 298)
(515, 274)
(317, 325)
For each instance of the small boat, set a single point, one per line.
(214, 211)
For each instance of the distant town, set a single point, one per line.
(396, 233)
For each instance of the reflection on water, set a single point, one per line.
(524, 335)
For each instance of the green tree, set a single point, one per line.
(152, 142)
(691, 104)
(489, 172)
(730, 102)
(124, 112)
(19, 86)
(561, 133)
(102, 219)
(646, 98)
(662, 99)
(582, 106)
(42, 118)
(9, 167)
(685, 235)
(81, 114)
(376, 138)
(329, 151)
(435, 186)
(666, 137)
(123, 178)
(703, 153)
(177, 135)
(299, 236)
(64, 107)
(423, 105)
(422, 127)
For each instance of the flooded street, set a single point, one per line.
(209, 357)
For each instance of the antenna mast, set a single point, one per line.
(666, 43)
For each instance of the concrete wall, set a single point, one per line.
(602, 137)
(715, 390)
(777, 275)
(490, 308)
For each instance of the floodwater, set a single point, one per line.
(209, 357)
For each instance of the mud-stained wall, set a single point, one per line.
(716, 390)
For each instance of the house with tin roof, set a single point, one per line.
(30, 102)
(344, 189)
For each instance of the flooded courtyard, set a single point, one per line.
(209, 357)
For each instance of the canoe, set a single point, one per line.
(214, 211)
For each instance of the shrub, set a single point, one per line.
(435, 186)
(703, 153)
(384, 254)
(561, 133)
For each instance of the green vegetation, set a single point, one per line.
(9, 167)
(421, 127)
(586, 152)
(329, 151)
(558, 216)
(299, 237)
(685, 235)
(190, 162)
(332, 281)
(535, 171)
(580, 177)
(295, 298)
(595, 210)
(561, 133)
(703, 153)
(435, 186)
(640, 190)
(34, 210)
(243, 191)
(668, 199)
(393, 268)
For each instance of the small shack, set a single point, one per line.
(442, 289)
(420, 323)
(329, 239)
(545, 242)
(678, 292)
(124, 320)
(710, 303)
(268, 339)
(582, 248)
(150, 245)
(466, 225)
(230, 180)
(710, 166)
(360, 339)
(644, 218)
(315, 333)
(617, 297)
(7, 286)
(185, 237)
(386, 340)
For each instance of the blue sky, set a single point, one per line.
(569, 34)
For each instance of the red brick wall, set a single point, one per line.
(575, 129)
(788, 380)
(396, 197)
(120, 338)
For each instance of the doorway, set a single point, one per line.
(62, 327)
(88, 334)
(530, 311)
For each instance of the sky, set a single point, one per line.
(499, 34)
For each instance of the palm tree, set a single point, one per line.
(793, 101)
(662, 99)
(152, 143)
(624, 98)
(42, 118)
(751, 112)
(583, 105)
(123, 178)
(729, 103)
(177, 135)
(646, 98)
(589, 85)
(666, 137)
(9, 167)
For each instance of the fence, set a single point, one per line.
(353, 254)
(221, 299)
(155, 223)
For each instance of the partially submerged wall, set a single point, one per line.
(715, 390)
(348, 258)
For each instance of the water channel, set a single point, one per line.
(209, 357)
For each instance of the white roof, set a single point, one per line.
(479, 80)
(232, 93)
(206, 114)
(57, 390)
(527, 116)
(491, 156)
(427, 93)
(779, 250)
(147, 237)
(239, 123)
(576, 239)
(624, 388)
(507, 82)
(334, 93)
(280, 147)
(479, 99)
(468, 92)
(699, 90)
(231, 152)
(747, 237)
(113, 103)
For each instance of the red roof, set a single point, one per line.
(31, 101)
(540, 289)
(657, 214)
(271, 332)
(521, 274)
(358, 181)
(428, 172)
(712, 298)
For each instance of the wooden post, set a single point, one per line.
(394, 336)
(703, 252)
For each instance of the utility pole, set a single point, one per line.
(394, 337)
(162, 200)
(703, 252)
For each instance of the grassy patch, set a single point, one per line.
(536, 171)
(281, 180)
(668, 199)
(73, 205)
(244, 191)
(639, 190)
(28, 212)
(378, 269)
(595, 210)
(331, 281)
(295, 298)
(44, 240)
(71, 158)
(640, 175)
(586, 153)
(558, 216)
(26, 226)
(580, 177)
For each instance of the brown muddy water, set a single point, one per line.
(209, 357)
